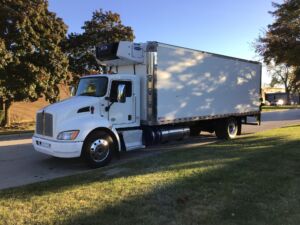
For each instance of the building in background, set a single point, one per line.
(277, 96)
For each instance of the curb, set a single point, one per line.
(15, 136)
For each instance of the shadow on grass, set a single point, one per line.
(259, 188)
(246, 181)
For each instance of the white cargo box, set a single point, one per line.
(181, 85)
(192, 85)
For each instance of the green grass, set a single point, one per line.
(275, 108)
(251, 180)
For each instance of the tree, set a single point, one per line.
(32, 64)
(282, 74)
(296, 82)
(280, 45)
(104, 27)
(281, 41)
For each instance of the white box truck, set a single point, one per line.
(152, 93)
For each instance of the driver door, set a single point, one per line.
(122, 114)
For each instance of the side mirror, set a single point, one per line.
(72, 90)
(121, 96)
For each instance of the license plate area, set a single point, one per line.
(43, 144)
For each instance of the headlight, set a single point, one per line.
(68, 135)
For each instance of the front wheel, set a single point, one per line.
(98, 149)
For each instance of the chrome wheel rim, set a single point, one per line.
(99, 150)
(232, 128)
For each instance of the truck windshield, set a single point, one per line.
(92, 86)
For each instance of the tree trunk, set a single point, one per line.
(287, 91)
(288, 100)
(1, 110)
(7, 105)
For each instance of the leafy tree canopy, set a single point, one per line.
(31, 61)
(281, 42)
(104, 27)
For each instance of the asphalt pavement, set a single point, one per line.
(20, 164)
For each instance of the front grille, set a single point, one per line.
(39, 123)
(44, 124)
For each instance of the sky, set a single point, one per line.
(227, 27)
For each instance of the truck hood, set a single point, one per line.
(68, 109)
(67, 114)
(71, 105)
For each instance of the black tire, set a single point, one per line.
(227, 128)
(149, 136)
(239, 132)
(98, 149)
(219, 131)
(195, 131)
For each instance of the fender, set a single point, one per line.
(86, 124)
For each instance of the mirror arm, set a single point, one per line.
(108, 107)
(72, 90)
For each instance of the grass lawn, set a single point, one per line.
(284, 107)
(251, 180)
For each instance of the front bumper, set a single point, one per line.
(61, 149)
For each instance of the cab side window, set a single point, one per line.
(114, 88)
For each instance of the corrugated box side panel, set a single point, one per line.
(191, 84)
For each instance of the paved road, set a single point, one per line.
(20, 164)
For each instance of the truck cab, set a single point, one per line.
(102, 104)
(118, 98)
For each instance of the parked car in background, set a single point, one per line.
(280, 102)
(267, 103)
(277, 102)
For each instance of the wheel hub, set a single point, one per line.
(232, 128)
(99, 150)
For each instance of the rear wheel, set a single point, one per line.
(195, 131)
(227, 129)
(98, 149)
(239, 132)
